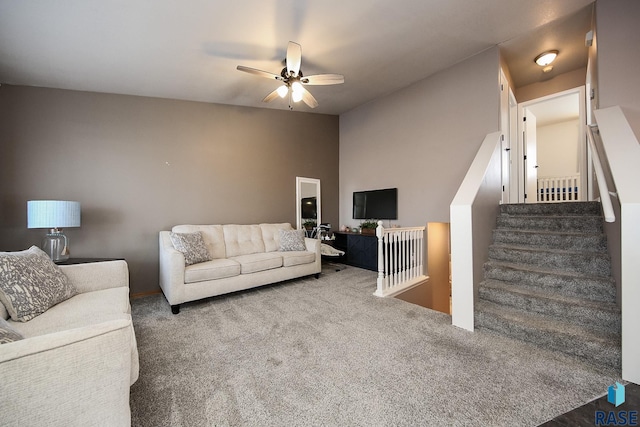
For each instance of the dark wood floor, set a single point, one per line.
(586, 414)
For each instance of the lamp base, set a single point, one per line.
(55, 244)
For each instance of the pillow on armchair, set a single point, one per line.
(30, 283)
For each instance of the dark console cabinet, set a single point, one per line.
(361, 250)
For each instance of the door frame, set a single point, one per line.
(582, 147)
(513, 138)
(505, 127)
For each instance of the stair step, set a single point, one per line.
(571, 223)
(568, 283)
(573, 208)
(552, 239)
(597, 315)
(596, 263)
(599, 349)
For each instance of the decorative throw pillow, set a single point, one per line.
(292, 240)
(30, 283)
(192, 247)
(7, 333)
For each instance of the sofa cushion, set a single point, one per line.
(258, 262)
(30, 283)
(271, 235)
(242, 239)
(82, 310)
(192, 247)
(8, 334)
(290, 259)
(210, 270)
(292, 240)
(212, 235)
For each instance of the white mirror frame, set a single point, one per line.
(300, 194)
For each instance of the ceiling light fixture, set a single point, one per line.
(283, 90)
(297, 89)
(546, 58)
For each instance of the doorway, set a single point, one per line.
(552, 143)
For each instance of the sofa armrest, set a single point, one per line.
(77, 377)
(313, 245)
(172, 268)
(96, 276)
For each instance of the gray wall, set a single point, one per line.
(421, 139)
(559, 83)
(619, 57)
(140, 165)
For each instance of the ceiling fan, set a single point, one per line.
(293, 81)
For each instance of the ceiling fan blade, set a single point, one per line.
(294, 58)
(323, 79)
(309, 99)
(258, 72)
(273, 95)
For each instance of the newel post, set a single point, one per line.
(380, 282)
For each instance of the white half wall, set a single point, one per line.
(473, 218)
(623, 153)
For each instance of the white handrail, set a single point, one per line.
(605, 196)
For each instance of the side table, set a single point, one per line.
(71, 261)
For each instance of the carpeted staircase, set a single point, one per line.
(548, 281)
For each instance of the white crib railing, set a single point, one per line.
(559, 189)
(400, 259)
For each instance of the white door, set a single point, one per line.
(530, 158)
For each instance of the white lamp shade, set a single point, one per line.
(53, 214)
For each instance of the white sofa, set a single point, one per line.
(78, 359)
(243, 256)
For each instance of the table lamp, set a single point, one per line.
(55, 215)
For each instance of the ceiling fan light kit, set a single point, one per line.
(283, 91)
(293, 80)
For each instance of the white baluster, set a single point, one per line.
(380, 281)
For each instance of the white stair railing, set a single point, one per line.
(400, 259)
(605, 195)
(559, 189)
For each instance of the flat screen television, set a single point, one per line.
(376, 204)
(309, 208)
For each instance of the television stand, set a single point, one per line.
(361, 250)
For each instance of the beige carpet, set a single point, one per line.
(328, 353)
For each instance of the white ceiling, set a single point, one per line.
(190, 49)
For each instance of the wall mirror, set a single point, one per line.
(307, 203)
